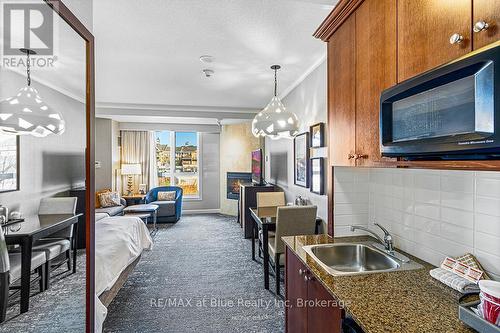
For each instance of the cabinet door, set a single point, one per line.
(375, 71)
(325, 316)
(487, 11)
(295, 292)
(424, 31)
(341, 95)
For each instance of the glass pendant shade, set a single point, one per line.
(26, 113)
(274, 121)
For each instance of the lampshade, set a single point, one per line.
(131, 169)
(26, 113)
(274, 120)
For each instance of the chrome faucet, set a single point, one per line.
(387, 241)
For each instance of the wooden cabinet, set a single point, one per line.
(310, 308)
(247, 200)
(375, 70)
(361, 64)
(487, 11)
(424, 31)
(341, 95)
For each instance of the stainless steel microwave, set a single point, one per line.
(450, 112)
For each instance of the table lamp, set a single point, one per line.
(130, 170)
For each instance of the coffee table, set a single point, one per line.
(144, 212)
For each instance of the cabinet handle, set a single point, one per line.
(351, 156)
(301, 271)
(456, 39)
(360, 156)
(480, 26)
(308, 278)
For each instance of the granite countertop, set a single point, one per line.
(400, 301)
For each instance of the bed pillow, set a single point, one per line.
(109, 199)
(166, 196)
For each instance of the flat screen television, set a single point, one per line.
(257, 177)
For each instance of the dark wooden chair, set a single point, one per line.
(10, 272)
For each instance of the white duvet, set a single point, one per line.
(119, 240)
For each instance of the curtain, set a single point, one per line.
(139, 147)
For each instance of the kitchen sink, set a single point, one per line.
(356, 258)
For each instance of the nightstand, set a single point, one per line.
(134, 199)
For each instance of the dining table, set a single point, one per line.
(265, 220)
(24, 233)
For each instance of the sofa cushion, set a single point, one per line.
(109, 199)
(167, 208)
(111, 211)
(166, 195)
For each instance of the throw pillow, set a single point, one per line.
(97, 202)
(166, 196)
(109, 199)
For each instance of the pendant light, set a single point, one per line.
(26, 113)
(274, 121)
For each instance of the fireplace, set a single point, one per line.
(234, 179)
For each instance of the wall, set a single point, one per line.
(50, 165)
(237, 143)
(431, 213)
(308, 102)
(107, 153)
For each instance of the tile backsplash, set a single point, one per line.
(430, 213)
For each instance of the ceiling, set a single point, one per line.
(147, 55)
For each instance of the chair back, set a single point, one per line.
(294, 221)
(4, 254)
(152, 195)
(57, 206)
(64, 205)
(268, 202)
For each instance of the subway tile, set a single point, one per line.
(351, 197)
(355, 219)
(452, 249)
(427, 225)
(431, 256)
(488, 174)
(457, 217)
(456, 233)
(343, 174)
(350, 209)
(488, 206)
(487, 224)
(426, 210)
(490, 263)
(463, 184)
(457, 200)
(427, 196)
(427, 181)
(488, 243)
(488, 187)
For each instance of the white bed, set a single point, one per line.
(119, 241)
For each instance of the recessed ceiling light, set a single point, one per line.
(206, 59)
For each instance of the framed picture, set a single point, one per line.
(317, 135)
(317, 175)
(9, 162)
(301, 159)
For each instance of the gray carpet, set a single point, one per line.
(60, 309)
(195, 280)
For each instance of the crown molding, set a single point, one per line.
(301, 78)
(167, 107)
(334, 20)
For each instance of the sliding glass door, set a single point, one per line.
(177, 160)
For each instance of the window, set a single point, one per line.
(177, 161)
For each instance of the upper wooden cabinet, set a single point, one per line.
(375, 71)
(424, 31)
(485, 11)
(361, 64)
(341, 95)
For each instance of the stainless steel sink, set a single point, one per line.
(353, 259)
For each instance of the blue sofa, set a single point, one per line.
(169, 211)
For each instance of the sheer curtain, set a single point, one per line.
(139, 147)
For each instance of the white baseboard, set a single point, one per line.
(201, 211)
